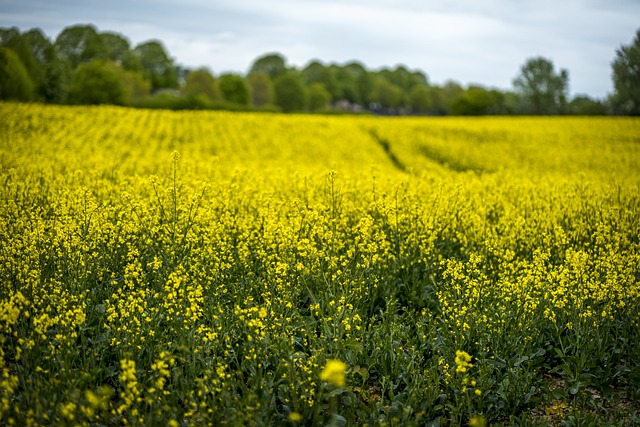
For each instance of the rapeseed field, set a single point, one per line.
(166, 268)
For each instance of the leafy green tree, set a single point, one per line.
(386, 95)
(477, 100)
(438, 100)
(403, 78)
(290, 92)
(541, 89)
(80, 43)
(234, 89)
(54, 73)
(201, 82)
(626, 78)
(262, 92)
(317, 72)
(15, 83)
(134, 85)
(96, 82)
(319, 97)
(116, 46)
(419, 99)
(346, 82)
(19, 44)
(585, 106)
(271, 64)
(156, 64)
(364, 81)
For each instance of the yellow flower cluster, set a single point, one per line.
(334, 372)
(198, 262)
(463, 361)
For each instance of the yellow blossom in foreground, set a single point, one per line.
(294, 417)
(478, 421)
(334, 372)
(463, 361)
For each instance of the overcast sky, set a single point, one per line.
(469, 41)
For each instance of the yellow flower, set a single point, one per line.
(478, 421)
(294, 417)
(334, 372)
(463, 361)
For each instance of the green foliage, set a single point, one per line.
(156, 64)
(54, 73)
(15, 83)
(403, 78)
(262, 92)
(626, 78)
(170, 100)
(271, 64)
(316, 72)
(541, 89)
(351, 86)
(419, 99)
(586, 106)
(234, 89)
(386, 95)
(201, 82)
(20, 45)
(319, 97)
(290, 92)
(134, 84)
(80, 43)
(117, 47)
(477, 101)
(96, 82)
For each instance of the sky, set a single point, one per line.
(468, 41)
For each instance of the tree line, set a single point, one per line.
(86, 66)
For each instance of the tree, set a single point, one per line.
(346, 82)
(15, 83)
(477, 100)
(387, 95)
(54, 73)
(626, 78)
(439, 106)
(135, 86)
(156, 64)
(419, 99)
(19, 44)
(364, 81)
(80, 43)
(290, 92)
(541, 89)
(319, 97)
(583, 105)
(96, 83)
(316, 72)
(117, 48)
(271, 64)
(262, 92)
(234, 89)
(201, 82)
(403, 78)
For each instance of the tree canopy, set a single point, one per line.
(542, 90)
(85, 65)
(96, 83)
(626, 78)
(15, 83)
